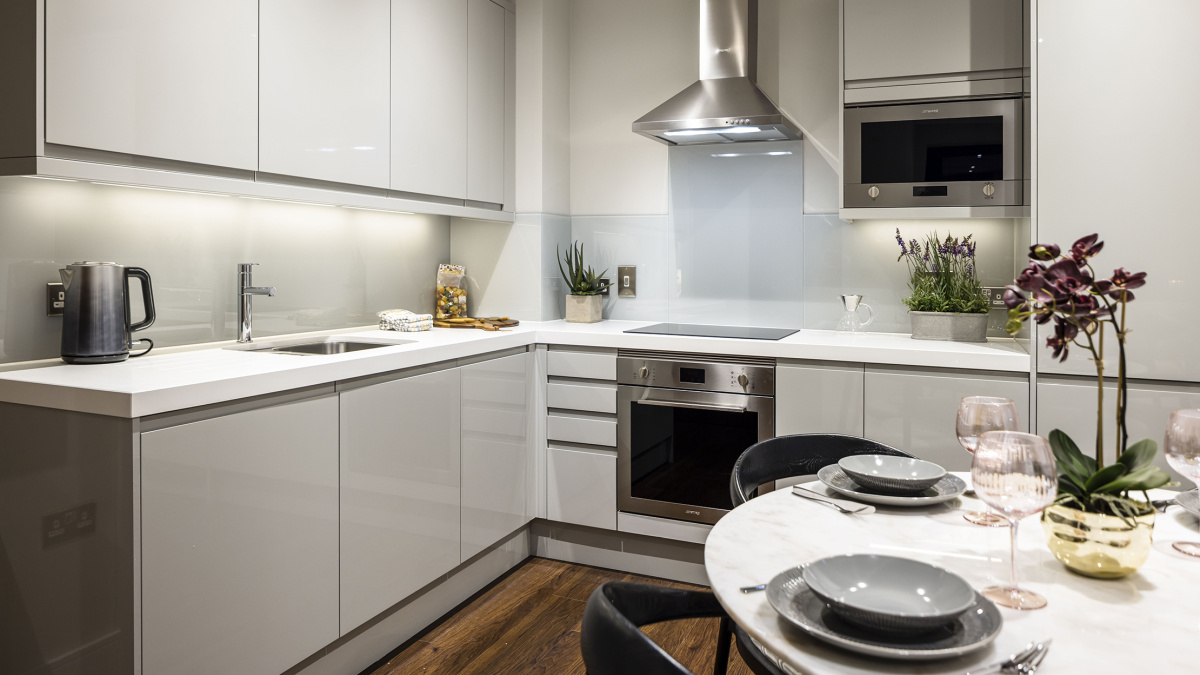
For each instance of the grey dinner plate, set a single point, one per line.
(1190, 501)
(949, 487)
(796, 603)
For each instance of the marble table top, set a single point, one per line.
(1148, 622)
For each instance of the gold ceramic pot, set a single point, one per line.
(1096, 545)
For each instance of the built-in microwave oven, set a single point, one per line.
(957, 153)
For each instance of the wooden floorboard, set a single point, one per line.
(529, 622)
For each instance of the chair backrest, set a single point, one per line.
(611, 642)
(799, 455)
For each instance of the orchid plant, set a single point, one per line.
(941, 275)
(1063, 289)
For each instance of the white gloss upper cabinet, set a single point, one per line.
(922, 38)
(485, 101)
(399, 490)
(324, 97)
(239, 540)
(496, 450)
(172, 79)
(429, 97)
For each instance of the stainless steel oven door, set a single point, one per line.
(676, 449)
(939, 153)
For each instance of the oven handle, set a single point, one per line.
(696, 406)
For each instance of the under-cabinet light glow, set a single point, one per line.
(158, 189)
(65, 180)
(363, 208)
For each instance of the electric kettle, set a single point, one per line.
(96, 325)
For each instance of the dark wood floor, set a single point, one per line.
(529, 622)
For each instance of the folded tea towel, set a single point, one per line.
(404, 320)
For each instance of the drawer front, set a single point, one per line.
(581, 429)
(582, 487)
(590, 365)
(601, 398)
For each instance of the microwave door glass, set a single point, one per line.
(684, 455)
(933, 150)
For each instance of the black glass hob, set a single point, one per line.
(701, 330)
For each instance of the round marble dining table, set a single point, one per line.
(1148, 622)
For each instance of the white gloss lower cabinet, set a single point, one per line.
(496, 452)
(818, 399)
(172, 79)
(399, 490)
(581, 487)
(914, 411)
(239, 540)
(325, 90)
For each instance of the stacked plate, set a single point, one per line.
(886, 606)
(891, 481)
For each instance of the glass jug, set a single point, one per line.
(850, 323)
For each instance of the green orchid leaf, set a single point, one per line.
(1145, 478)
(1071, 461)
(1139, 454)
(1105, 476)
(1070, 487)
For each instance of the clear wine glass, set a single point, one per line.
(977, 415)
(1182, 449)
(1014, 473)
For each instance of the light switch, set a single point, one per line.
(627, 281)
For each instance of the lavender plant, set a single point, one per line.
(941, 275)
(1063, 289)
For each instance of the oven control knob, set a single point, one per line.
(644, 372)
(743, 380)
(989, 190)
(873, 191)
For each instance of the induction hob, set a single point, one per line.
(701, 330)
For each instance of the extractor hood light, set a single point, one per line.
(65, 180)
(707, 132)
(752, 154)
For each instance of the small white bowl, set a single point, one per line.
(888, 593)
(902, 475)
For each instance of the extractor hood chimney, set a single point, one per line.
(725, 105)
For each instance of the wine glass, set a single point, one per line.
(1182, 448)
(1014, 473)
(976, 415)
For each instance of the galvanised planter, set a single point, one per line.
(949, 326)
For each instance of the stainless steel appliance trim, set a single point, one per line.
(718, 376)
(627, 397)
(695, 356)
(1010, 109)
(958, 193)
(694, 406)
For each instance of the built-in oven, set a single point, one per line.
(682, 423)
(958, 153)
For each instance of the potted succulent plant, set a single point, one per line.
(1095, 526)
(946, 299)
(583, 304)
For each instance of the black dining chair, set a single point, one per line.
(799, 455)
(613, 644)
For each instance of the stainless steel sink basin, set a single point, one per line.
(321, 347)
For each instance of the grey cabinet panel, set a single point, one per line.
(495, 450)
(812, 400)
(581, 487)
(399, 490)
(485, 101)
(240, 540)
(921, 38)
(1071, 406)
(914, 411)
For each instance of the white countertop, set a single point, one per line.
(175, 379)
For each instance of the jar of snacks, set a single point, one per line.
(451, 296)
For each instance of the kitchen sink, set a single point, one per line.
(323, 347)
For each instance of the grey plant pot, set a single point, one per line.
(584, 308)
(949, 326)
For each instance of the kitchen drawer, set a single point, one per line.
(590, 365)
(593, 397)
(582, 487)
(581, 429)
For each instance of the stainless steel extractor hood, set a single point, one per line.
(725, 105)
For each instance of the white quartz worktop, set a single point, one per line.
(170, 380)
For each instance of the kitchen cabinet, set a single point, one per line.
(914, 410)
(325, 90)
(429, 97)
(592, 365)
(819, 399)
(239, 540)
(496, 450)
(582, 486)
(400, 502)
(170, 79)
(485, 101)
(928, 38)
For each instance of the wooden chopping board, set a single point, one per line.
(489, 323)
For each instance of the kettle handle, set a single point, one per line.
(147, 296)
